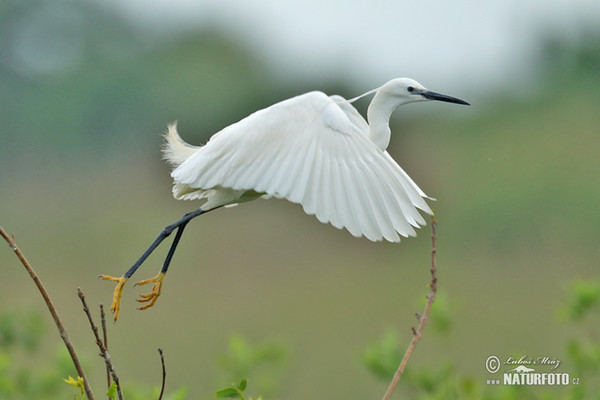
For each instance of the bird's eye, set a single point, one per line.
(410, 89)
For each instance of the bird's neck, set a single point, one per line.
(378, 114)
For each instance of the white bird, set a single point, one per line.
(314, 150)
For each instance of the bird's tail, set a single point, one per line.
(175, 150)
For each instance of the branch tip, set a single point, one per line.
(164, 373)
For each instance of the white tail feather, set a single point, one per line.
(175, 150)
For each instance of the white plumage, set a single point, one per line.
(314, 150)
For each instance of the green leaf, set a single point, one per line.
(178, 395)
(584, 297)
(242, 385)
(77, 383)
(383, 357)
(229, 393)
(112, 391)
(73, 382)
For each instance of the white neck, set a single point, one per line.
(381, 108)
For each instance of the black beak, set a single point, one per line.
(442, 97)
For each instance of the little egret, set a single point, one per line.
(313, 149)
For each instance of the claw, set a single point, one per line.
(152, 296)
(116, 303)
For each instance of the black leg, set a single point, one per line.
(150, 298)
(162, 236)
(173, 247)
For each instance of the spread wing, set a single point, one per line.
(313, 150)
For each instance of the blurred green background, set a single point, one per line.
(84, 97)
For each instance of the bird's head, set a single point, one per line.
(407, 90)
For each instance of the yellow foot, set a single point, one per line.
(151, 297)
(116, 303)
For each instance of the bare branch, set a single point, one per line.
(103, 352)
(164, 373)
(10, 239)
(418, 332)
(105, 340)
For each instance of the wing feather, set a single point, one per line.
(391, 220)
(377, 201)
(300, 179)
(366, 175)
(284, 177)
(313, 150)
(341, 211)
(406, 194)
(326, 211)
(311, 194)
(354, 205)
(397, 218)
(371, 192)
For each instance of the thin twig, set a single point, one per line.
(10, 239)
(418, 332)
(104, 340)
(164, 373)
(103, 353)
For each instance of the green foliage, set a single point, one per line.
(564, 56)
(234, 391)
(446, 382)
(20, 329)
(585, 355)
(131, 391)
(112, 391)
(383, 357)
(78, 383)
(584, 299)
(440, 317)
(264, 362)
(20, 335)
